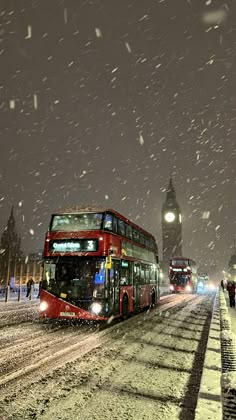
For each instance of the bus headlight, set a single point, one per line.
(188, 288)
(43, 306)
(96, 308)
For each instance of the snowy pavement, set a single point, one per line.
(209, 406)
(18, 312)
(147, 367)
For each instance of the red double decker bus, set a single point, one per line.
(183, 275)
(97, 265)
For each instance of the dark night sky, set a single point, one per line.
(100, 100)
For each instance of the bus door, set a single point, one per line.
(114, 283)
(136, 286)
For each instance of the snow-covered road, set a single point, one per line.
(147, 367)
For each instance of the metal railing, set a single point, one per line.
(18, 293)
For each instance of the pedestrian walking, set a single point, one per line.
(29, 285)
(222, 285)
(231, 292)
(40, 287)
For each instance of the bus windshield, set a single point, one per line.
(75, 279)
(76, 222)
(179, 263)
(179, 279)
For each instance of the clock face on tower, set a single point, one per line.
(169, 217)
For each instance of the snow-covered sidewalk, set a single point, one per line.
(209, 406)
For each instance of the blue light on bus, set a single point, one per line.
(99, 278)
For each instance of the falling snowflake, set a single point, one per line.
(141, 140)
(98, 33)
(31, 231)
(206, 215)
(65, 16)
(35, 101)
(128, 47)
(106, 197)
(214, 17)
(29, 32)
(12, 103)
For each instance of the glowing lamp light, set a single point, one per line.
(169, 217)
(188, 288)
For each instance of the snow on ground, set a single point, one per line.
(209, 406)
(16, 312)
(148, 367)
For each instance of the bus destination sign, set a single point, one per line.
(73, 245)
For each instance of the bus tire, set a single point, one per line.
(125, 307)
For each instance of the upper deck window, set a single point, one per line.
(108, 222)
(179, 263)
(121, 227)
(136, 237)
(76, 222)
(128, 231)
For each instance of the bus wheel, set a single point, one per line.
(125, 304)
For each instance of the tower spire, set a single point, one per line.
(171, 226)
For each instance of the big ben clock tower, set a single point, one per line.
(171, 227)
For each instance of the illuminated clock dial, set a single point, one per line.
(169, 217)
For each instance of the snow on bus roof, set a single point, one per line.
(91, 208)
(79, 209)
(179, 258)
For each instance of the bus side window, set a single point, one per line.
(121, 227)
(135, 235)
(153, 274)
(141, 238)
(108, 222)
(147, 274)
(128, 231)
(126, 273)
(142, 274)
(114, 224)
(136, 273)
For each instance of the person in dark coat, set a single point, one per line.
(231, 292)
(40, 287)
(29, 284)
(222, 285)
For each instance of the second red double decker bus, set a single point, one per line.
(183, 275)
(97, 265)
